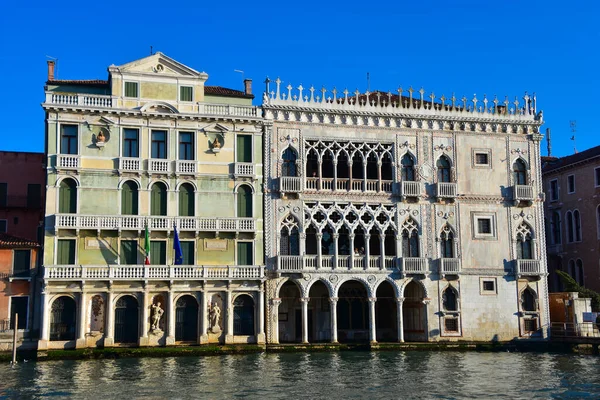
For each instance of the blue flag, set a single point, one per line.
(177, 247)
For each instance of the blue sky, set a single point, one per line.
(503, 47)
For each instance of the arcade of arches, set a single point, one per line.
(352, 316)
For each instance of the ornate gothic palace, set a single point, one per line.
(394, 217)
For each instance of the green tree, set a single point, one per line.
(570, 285)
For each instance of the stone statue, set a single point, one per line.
(216, 144)
(215, 316)
(100, 138)
(157, 312)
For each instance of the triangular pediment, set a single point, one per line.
(159, 64)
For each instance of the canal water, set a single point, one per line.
(344, 375)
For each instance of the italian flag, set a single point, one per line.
(147, 246)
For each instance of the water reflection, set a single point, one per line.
(345, 375)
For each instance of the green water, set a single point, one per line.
(344, 375)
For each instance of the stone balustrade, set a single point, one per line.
(329, 263)
(290, 184)
(345, 185)
(185, 167)
(145, 272)
(158, 223)
(445, 190)
(244, 169)
(130, 164)
(528, 268)
(67, 161)
(449, 266)
(410, 189)
(522, 193)
(414, 265)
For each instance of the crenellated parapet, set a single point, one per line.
(405, 109)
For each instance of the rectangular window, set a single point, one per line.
(65, 252)
(597, 176)
(34, 195)
(158, 252)
(186, 145)
(484, 226)
(21, 262)
(3, 194)
(187, 248)
(131, 89)
(130, 142)
(554, 190)
(129, 252)
(68, 139)
(530, 325)
(571, 184)
(186, 93)
(244, 148)
(451, 324)
(481, 158)
(244, 253)
(3, 226)
(19, 305)
(159, 144)
(488, 286)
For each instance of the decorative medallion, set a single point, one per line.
(371, 279)
(306, 277)
(333, 278)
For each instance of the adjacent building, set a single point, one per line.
(397, 217)
(150, 153)
(572, 209)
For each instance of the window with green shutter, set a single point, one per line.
(158, 252)
(131, 89)
(244, 202)
(129, 252)
(21, 262)
(65, 252)
(244, 148)
(67, 197)
(186, 93)
(129, 198)
(244, 253)
(158, 199)
(187, 249)
(186, 200)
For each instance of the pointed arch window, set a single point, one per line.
(450, 299)
(408, 168)
(290, 239)
(579, 271)
(410, 239)
(524, 242)
(244, 202)
(570, 227)
(577, 220)
(443, 169)
(289, 166)
(556, 229)
(129, 198)
(67, 197)
(528, 300)
(519, 172)
(447, 242)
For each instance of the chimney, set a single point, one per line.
(548, 139)
(51, 70)
(248, 86)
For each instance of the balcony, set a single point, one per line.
(445, 190)
(330, 263)
(522, 193)
(345, 185)
(449, 266)
(157, 223)
(158, 166)
(129, 164)
(243, 169)
(183, 167)
(229, 109)
(77, 99)
(410, 189)
(67, 161)
(528, 268)
(414, 265)
(290, 184)
(150, 272)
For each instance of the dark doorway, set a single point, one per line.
(186, 319)
(126, 320)
(62, 319)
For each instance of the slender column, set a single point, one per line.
(367, 250)
(81, 321)
(319, 250)
(364, 189)
(351, 236)
(426, 310)
(109, 335)
(229, 334)
(398, 251)
(372, 324)
(145, 313)
(319, 183)
(382, 250)
(304, 302)
(336, 237)
(171, 318)
(275, 328)
(349, 176)
(333, 307)
(260, 338)
(379, 184)
(45, 334)
(204, 318)
(400, 317)
(335, 174)
(302, 244)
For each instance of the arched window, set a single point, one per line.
(311, 240)
(528, 301)
(524, 242)
(290, 240)
(408, 168)
(327, 165)
(410, 239)
(62, 319)
(67, 197)
(372, 166)
(577, 219)
(244, 202)
(344, 242)
(571, 271)
(243, 316)
(450, 299)
(387, 167)
(312, 164)
(579, 271)
(186, 200)
(158, 199)
(519, 172)
(289, 167)
(447, 242)
(327, 244)
(358, 171)
(570, 227)
(129, 198)
(443, 169)
(555, 225)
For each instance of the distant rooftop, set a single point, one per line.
(554, 163)
(10, 242)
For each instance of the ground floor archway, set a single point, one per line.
(63, 319)
(186, 319)
(126, 320)
(414, 313)
(243, 315)
(319, 313)
(353, 312)
(386, 314)
(290, 314)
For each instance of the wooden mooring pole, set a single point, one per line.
(15, 330)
